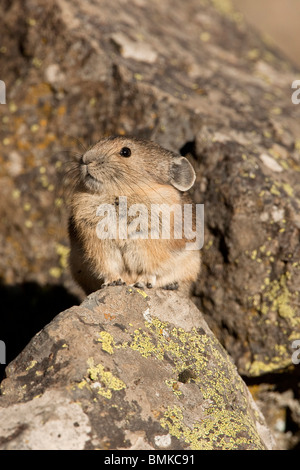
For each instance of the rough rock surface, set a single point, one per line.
(196, 79)
(127, 370)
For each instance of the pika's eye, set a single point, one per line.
(125, 152)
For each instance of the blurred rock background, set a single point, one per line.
(277, 20)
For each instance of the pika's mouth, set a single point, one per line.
(88, 179)
(89, 176)
(85, 173)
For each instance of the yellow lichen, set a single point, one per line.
(258, 367)
(34, 127)
(288, 189)
(82, 384)
(58, 202)
(16, 194)
(225, 7)
(276, 110)
(143, 344)
(31, 365)
(63, 253)
(274, 191)
(143, 294)
(277, 298)
(202, 435)
(107, 342)
(173, 384)
(12, 107)
(55, 272)
(107, 380)
(205, 36)
(253, 54)
(28, 223)
(31, 21)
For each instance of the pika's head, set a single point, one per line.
(118, 163)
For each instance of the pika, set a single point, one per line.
(145, 176)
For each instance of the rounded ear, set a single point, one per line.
(182, 174)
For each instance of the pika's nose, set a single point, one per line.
(90, 157)
(86, 158)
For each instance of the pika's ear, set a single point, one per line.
(182, 174)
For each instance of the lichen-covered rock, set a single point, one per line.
(251, 273)
(195, 78)
(128, 369)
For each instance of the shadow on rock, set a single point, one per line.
(25, 309)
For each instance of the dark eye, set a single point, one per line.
(125, 152)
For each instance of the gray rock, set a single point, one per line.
(173, 74)
(128, 369)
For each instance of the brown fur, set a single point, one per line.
(148, 176)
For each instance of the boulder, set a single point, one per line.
(128, 369)
(210, 88)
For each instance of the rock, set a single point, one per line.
(137, 50)
(280, 408)
(250, 273)
(128, 369)
(191, 87)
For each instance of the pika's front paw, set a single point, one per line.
(147, 281)
(141, 285)
(119, 282)
(172, 286)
